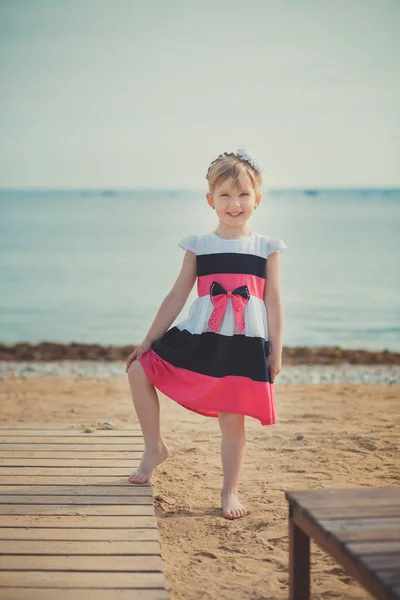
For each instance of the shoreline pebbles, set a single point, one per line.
(290, 374)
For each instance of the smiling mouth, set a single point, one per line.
(234, 214)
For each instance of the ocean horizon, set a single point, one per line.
(93, 265)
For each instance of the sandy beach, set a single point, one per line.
(147, 194)
(336, 435)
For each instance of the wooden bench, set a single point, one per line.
(359, 527)
(71, 524)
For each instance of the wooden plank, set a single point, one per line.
(53, 480)
(333, 534)
(55, 509)
(346, 530)
(81, 563)
(344, 512)
(307, 495)
(6, 449)
(390, 577)
(58, 532)
(360, 504)
(67, 471)
(29, 593)
(61, 579)
(57, 462)
(337, 525)
(83, 446)
(56, 547)
(362, 548)
(91, 454)
(75, 521)
(379, 562)
(5, 435)
(336, 497)
(72, 500)
(83, 439)
(39, 425)
(338, 551)
(128, 489)
(70, 521)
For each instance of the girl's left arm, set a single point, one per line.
(273, 304)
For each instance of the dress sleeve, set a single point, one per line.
(188, 243)
(275, 245)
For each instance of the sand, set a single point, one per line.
(335, 436)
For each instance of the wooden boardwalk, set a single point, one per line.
(359, 527)
(71, 524)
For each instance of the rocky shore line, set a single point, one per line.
(290, 374)
(300, 355)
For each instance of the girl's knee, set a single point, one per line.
(135, 370)
(231, 422)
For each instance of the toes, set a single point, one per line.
(234, 513)
(239, 512)
(137, 478)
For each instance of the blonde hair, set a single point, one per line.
(230, 166)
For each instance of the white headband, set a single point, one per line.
(243, 154)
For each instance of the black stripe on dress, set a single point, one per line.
(231, 262)
(214, 354)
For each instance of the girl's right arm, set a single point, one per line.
(170, 307)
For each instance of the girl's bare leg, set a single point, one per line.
(233, 445)
(147, 408)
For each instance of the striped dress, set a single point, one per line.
(215, 360)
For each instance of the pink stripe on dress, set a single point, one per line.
(208, 395)
(230, 281)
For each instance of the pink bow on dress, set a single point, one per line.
(219, 297)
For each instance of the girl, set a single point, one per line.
(223, 359)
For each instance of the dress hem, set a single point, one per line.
(262, 423)
(147, 364)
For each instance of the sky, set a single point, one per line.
(145, 94)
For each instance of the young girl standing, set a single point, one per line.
(223, 359)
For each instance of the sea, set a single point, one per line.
(93, 266)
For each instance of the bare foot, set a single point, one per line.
(231, 507)
(150, 460)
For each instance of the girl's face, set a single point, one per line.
(234, 206)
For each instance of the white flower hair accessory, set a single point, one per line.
(243, 154)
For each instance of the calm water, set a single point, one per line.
(94, 267)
